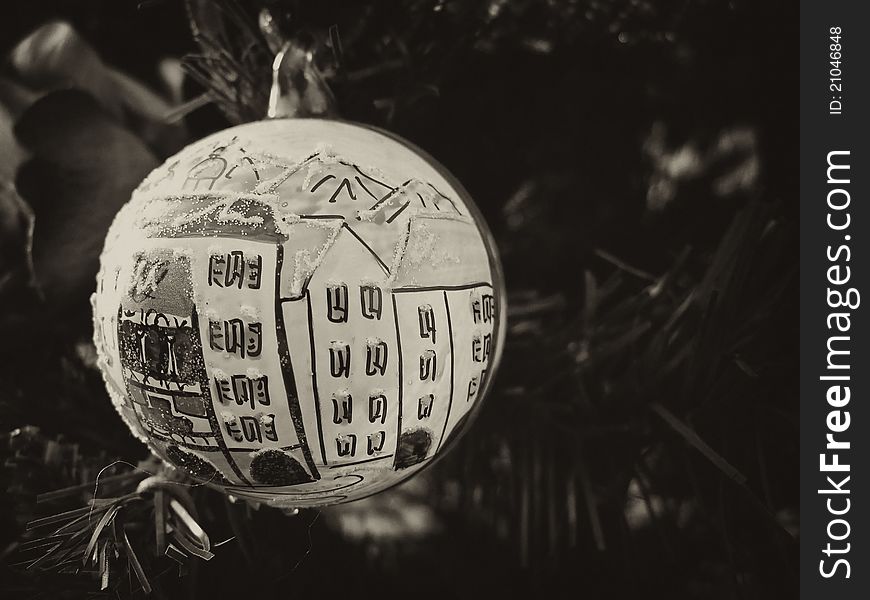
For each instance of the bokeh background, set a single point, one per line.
(636, 162)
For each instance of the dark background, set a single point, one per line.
(635, 161)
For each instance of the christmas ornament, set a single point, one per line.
(298, 312)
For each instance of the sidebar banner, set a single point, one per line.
(835, 264)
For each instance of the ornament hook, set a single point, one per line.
(298, 86)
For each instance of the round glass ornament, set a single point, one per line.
(299, 312)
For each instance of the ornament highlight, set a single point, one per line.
(298, 312)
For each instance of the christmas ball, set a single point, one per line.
(299, 312)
